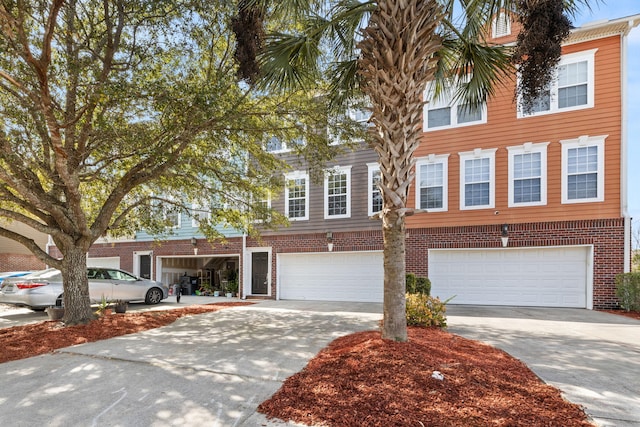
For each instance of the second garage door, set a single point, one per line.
(336, 276)
(542, 277)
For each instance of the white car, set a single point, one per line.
(44, 288)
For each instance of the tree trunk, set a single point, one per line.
(77, 305)
(394, 324)
(396, 62)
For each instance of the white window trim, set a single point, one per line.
(506, 20)
(583, 141)
(372, 168)
(337, 170)
(587, 55)
(434, 159)
(479, 154)
(525, 148)
(444, 101)
(296, 175)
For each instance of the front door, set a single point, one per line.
(145, 266)
(259, 273)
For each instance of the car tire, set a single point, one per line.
(60, 301)
(154, 296)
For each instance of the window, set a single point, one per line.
(571, 89)
(170, 214)
(200, 212)
(528, 174)
(501, 25)
(583, 169)
(432, 182)
(297, 196)
(441, 112)
(337, 193)
(374, 201)
(276, 145)
(477, 179)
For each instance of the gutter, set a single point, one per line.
(624, 149)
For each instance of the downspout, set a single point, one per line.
(243, 294)
(624, 154)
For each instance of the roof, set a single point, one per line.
(603, 28)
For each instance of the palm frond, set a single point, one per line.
(343, 83)
(289, 62)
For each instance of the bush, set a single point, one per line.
(423, 286)
(423, 310)
(628, 291)
(410, 283)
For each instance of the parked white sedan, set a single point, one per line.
(44, 288)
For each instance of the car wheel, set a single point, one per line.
(60, 300)
(154, 296)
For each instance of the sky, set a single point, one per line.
(614, 9)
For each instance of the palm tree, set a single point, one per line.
(388, 51)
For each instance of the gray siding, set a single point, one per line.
(359, 219)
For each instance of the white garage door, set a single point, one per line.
(538, 277)
(336, 276)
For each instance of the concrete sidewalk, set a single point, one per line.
(593, 357)
(208, 370)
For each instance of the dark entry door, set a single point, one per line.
(259, 273)
(145, 266)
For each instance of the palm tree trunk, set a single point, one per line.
(396, 62)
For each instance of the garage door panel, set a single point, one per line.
(554, 277)
(338, 276)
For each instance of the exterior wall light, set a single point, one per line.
(330, 241)
(194, 242)
(504, 236)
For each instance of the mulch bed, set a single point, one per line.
(362, 380)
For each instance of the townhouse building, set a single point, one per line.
(512, 207)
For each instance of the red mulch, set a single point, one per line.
(20, 342)
(362, 380)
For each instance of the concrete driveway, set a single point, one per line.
(214, 369)
(208, 370)
(593, 357)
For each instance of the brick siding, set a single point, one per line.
(606, 236)
(20, 262)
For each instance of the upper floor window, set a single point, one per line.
(477, 179)
(501, 25)
(337, 193)
(200, 212)
(374, 201)
(171, 213)
(443, 111)
(432, 180)
(276, 145)
(528, 174)
(583, 169)
(297, 196)
(571, 89)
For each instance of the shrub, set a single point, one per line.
(628, 291)
(423, 310)
(423, 286)
(410, 283)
